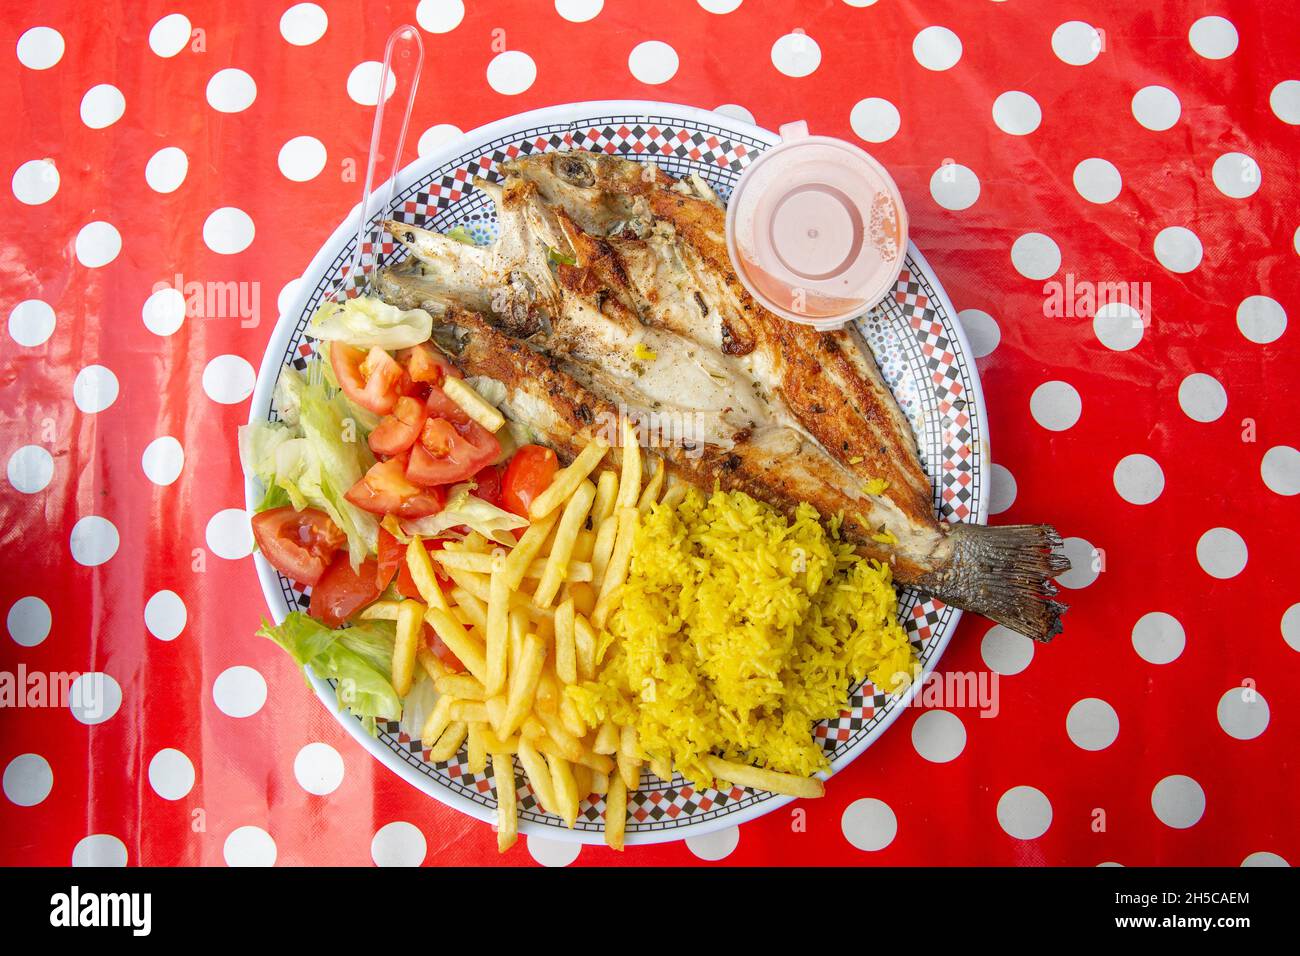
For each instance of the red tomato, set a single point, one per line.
(298, 544)
(397, 432)
(427, 502)
(427, 364)
(452, 446)
(488, 481)
(383, 488)
(372, 380)
(531, 471)
(341, 592)
(392, 555)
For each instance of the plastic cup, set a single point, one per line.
(816, 229)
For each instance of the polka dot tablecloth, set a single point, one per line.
(1047, 160)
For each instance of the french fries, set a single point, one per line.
(528, 548)
(629, 483)
(464, 645)
(566, 533)
(410, 629)
(421, 568)
(616, 571)
(759, 779)
(498, 622)
(503, 773)
(566, 660)
(473, 404)
(615, 813)
(568, 479)
(652, 488)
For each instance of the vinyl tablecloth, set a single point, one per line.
(1049, 155)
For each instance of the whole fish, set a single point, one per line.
(609, 294)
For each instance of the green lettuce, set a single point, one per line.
(367, 322)
(463, 508)
(358, 658)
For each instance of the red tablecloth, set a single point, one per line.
(1159, 149)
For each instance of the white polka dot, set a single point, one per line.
(1261, 319)
(1159, 638)
(512, 72)
(1202, 397)
(954, 186)
(1178, 801)
(228, 379)
(1213, 37)
(1109, 864)
(1055, 405)
(28, 780)
(860, 4)
(94, 697)
(735, 111)
(1118, 326)
(1002, 493)
(94, 389)
(1291, 627)
(1083, 564)
(439, 16)
(36, 181)
(398, 844)
(937, 48)
(1221, 553)
(1156, 107)
(1005, 652)
(165, 615)
(1178, 249)
(302, 158)
(1264, 858)
(939, 736)
(1036, 256)
(249, 846)
(171, 774)
(715, 846)
(1285, 101)
(163, 460)
(99, 849)
(239, 691)
(436, 136)
(229, 534)
(796, 54)
(869, 824)
(1139, 479)
(1076, 43)
(1243, 713)
(93, 541)
(170, 35)
(1236, 175)
(40, 48)
(303, 24)
(1097, 180)
(97, 244)
(31, 323)
(30, 469)
(102, 106)
(650, 62)
(284, 301)
(981, 330)
(29, 621)
(1024, 813)
(874, 119)
(318, 768)
(231, 91)
(1280, 469)
(1017, 113)
(720, 6)
(363, 83)
(553, 852)
(228, 231)
(579, 11)
(164, 311)
(166, 169)
(1092, 724)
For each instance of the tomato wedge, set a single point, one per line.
(397, 432)
(371, 379)
(298, 544)
(383, 488)
(452, 446)
(428, 365)
(392, 555)
(530, 472)
(488, 484)
(341, 592)
(428, 502)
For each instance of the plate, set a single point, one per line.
(915, 337)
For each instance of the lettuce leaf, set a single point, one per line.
(367, 322)
(355, 661)
(463, 508)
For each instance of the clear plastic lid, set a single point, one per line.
(816, 229)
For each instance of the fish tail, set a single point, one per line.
(1004, 573)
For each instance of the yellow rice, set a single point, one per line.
(738, 630)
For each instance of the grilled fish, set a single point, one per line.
(609, 293)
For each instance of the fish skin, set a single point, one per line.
(649, 264)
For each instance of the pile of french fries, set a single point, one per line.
(526, 622)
